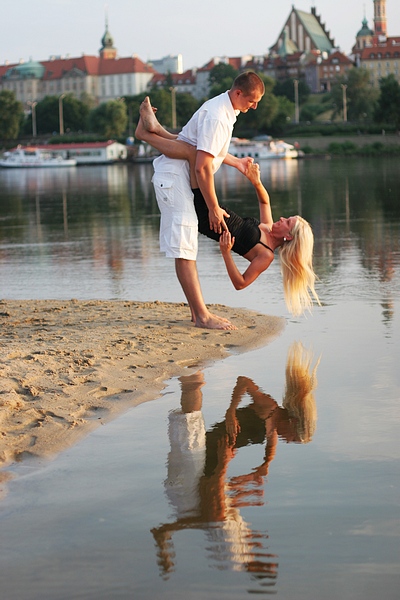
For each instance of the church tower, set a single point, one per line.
(380, 17)
(107, 49)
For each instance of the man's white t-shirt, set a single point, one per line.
(209, 129)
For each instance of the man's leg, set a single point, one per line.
(186, 271)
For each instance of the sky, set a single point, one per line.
(38, 29)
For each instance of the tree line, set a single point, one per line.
(118, 118)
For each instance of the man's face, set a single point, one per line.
(244, 102)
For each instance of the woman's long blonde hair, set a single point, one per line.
(301, 381)
(297, 268)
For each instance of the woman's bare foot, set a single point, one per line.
(253, 173)
(214, 322)
(140, 131)
(147, 114)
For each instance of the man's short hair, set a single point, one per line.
(247, 82)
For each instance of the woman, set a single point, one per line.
(255, 240)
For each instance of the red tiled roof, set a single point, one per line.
(4, 68)
(90, 65)
(115, 66)
(337, 56)
(389, 47)
(235, 62)
(56, 68)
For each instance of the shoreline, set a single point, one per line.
(68, 367)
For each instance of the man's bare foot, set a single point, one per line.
(147, 114)
(253, 173)
(214, 322)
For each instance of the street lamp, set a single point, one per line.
(173, 104)
(296, 100)
(60, 113)
(32, 104)
(344, 88)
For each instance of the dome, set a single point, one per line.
(365, 30)
(29, 70)
(107, 39)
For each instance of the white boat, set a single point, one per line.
(260, 150)
(31, 157)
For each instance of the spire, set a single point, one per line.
(107, 49)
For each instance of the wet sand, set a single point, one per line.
(68, 367)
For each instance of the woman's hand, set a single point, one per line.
(244, 163)
(226, 242)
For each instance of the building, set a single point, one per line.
(321, 73)
(104, 77)
(374, 50)
(197, 81)
(301, 41)
(381, 60)
(303, 32)
(88, 152)
(168, 64)
(183, 83)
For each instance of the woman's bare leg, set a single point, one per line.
(149, 130)
(150, 121)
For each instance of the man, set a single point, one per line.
(209, 131)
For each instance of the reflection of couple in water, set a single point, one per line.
(197, 485)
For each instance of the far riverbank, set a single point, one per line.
(321, 143)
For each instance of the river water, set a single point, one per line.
(125, 513)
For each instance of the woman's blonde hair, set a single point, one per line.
(301, 381)
(297, 268)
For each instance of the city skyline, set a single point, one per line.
(69, 27)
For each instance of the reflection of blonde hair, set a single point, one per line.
(301, 382)
(297, 270)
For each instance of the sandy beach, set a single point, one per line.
(68, 367)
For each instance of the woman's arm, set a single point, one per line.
(256, 267)
(264, 205)
(253, 175)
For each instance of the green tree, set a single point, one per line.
(47, 116)
(361, 97)
(11, 115)
(110, 119)
(261, 119)
(388, 106)
(221, 78)
(186, 106)
(286, 88)
(89, 100)
(283, 115)
(75, 113)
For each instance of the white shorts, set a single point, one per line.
(178, 226)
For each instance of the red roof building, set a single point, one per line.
(104, 77)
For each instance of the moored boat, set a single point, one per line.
(31, 157)
(260, 150)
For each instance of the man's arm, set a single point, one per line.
(205, 180)
(241, 164)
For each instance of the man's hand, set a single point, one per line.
(244, 163)
(217, 219)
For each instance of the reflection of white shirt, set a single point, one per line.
(187, 435)
(232, 539)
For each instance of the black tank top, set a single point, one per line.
(245, 230)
